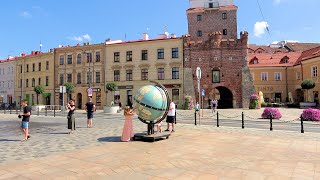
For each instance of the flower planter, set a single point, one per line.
(304, 105)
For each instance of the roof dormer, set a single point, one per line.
(254, 60)
(284, 60)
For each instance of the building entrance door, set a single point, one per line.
(129, 98)
(278, 97)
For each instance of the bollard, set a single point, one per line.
(195, 117)
(16, 111)
(10, 111)
(242, 120)
(54, 111)
(46, 111)
(38, 111)
(4, 110)
(217, 119)
(175, 118)
(271, 128)
(302, 130)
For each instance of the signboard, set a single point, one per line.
(63, 89)
(198, 72)
(89, 92)
(202, 92)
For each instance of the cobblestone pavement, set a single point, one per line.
(192, 152)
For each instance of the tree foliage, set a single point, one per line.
(39, 90)
(69, 87)
(308, 84)
(111, 87)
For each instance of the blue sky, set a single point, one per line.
(24, 23)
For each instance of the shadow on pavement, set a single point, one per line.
(110, 139)
(57, 133)
(8, 140)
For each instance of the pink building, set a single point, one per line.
(7, 81)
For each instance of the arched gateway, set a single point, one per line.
(226, 98)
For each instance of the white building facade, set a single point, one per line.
(7, 81)
(210, 3)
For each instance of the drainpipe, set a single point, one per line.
(54, 77)
(287, 98)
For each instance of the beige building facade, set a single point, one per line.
(32, 70)
(82, 66)
(134, 64)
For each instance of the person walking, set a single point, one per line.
(214, 104)
(71, 119)
(127, 131)
(171, 116)
(90, 107)
(25, 120)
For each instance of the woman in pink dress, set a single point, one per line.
(127, 132)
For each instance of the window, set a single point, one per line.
(69, 78)
(175, 52)
(129, 56)
(116, 56)
(144, 74)
(97, 77)
(39, 80)
(224, 15)
(199, 17)
(314, 71)
(33, 82)
(33, 67)
(47, 65)
(199, 33)
(161, 53)
(277, 76)
(89, 57)
(27, 82)
(298, 75)
(21, 69)
(210, 5)
(255, 61)
(47, 80)
(98, 57)
(79, 78)
(61, 60)
(61, 79)
(264, 76)
(39, 67)
(144, 55)
(89, 77)
(27, 67)
(225, 32)
(160, 73)
(175, 73)
(175, 96)
(79, 59)
(116, 75)
(69, 59)
(129, 75)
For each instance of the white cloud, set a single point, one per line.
(26, 14)
(81, 38)
(260, 28)
(276, 2)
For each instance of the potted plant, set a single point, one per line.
(306, 85)
(38, 90)
(111, 109)
(69, 89)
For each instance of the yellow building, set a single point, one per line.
(133, 64)
(30, 71)
(83, 66)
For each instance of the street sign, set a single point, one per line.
(63, 89)
(198, 72)
(202, 92)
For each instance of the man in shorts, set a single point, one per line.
(171, 116)
(90, 107)
(25, 120)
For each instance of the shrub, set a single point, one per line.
(188, 103)
(254, 102)
(271, 112)
(311, 114)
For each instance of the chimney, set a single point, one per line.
(162, 36)
(244, 38)
(145, 36)
(32, 52)
(173, 35)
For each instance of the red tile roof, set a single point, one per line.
(274, 60)
(308, 54)
(300, 47)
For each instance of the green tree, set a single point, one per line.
(69, 89)
(111, 87)
(307, 84)
(39, 90)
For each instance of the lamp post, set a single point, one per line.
(20, 83)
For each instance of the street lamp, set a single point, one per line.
(20, 83)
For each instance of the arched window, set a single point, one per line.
(79, 59)
(33, 82)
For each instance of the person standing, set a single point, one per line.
(71, 119)
(171, 116)
(25, 119)
(197, 106)
(214, 104)
(90, 107)
(127, 131)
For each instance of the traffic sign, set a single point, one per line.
(89, 91)
(202, 92)
(63, 89)
(198, 72)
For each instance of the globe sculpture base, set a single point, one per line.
(151, 137)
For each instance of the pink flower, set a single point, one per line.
(311, 114)
(271, 112)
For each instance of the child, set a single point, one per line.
(159, 127)
(127, 132)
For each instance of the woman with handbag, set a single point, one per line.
(127, 132)
(71, 119)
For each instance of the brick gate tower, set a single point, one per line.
(212, 45)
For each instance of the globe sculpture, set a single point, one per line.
(151, 104)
